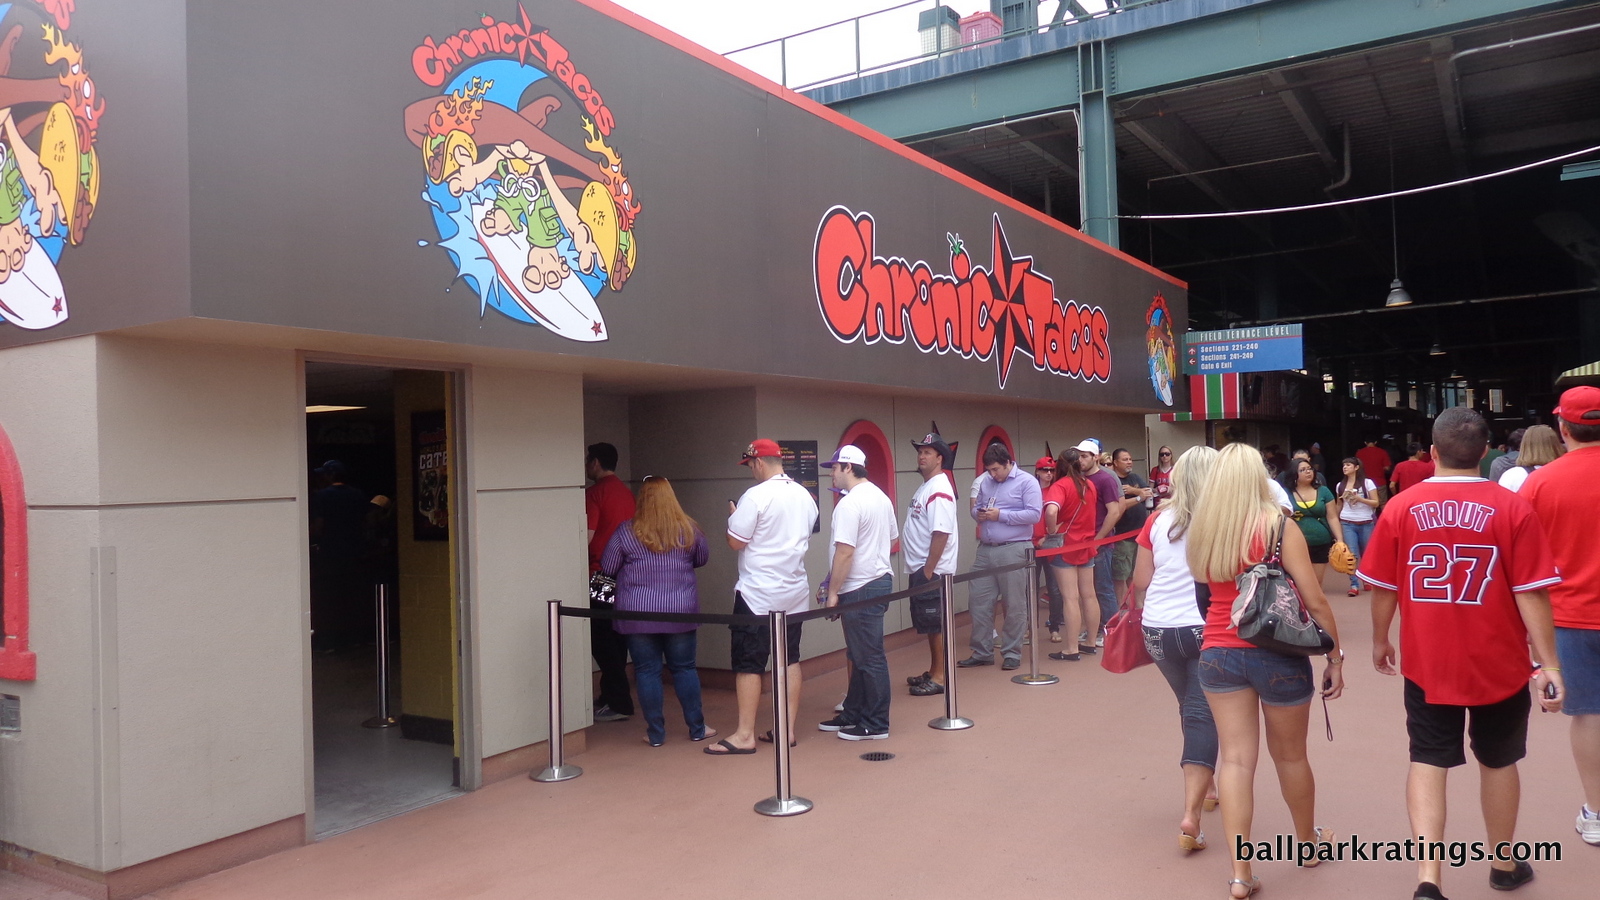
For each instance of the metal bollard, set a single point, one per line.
(380, 599)
(950, 721)
(783, 803)
(1033, 676)
(558, 770)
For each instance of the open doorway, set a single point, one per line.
(382, 485)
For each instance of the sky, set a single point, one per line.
(724, 25)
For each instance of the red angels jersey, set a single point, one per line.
(1456, 550)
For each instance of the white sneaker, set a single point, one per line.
(1100, 639)
(1588, 829)
(839, 707)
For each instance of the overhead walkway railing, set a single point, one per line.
(884, 40)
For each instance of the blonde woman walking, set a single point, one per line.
(1234, 527)
(1174, 629)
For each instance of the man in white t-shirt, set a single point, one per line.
(770, 529)
(863, 530)
(929, 544)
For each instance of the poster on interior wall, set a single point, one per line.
(800, 463)
(430, 477)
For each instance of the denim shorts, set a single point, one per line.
(1579, 650)
(1279, 680)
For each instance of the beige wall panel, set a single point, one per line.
(526, 470)
(524, 561)
(605, 418)
(48, 409)
(209, 603)
(49, 780)
(197, 422)
(695, 439)
(528, 429)
(1180, 436)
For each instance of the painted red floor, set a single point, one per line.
(1069, 790)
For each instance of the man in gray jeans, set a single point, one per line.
(1007, 504)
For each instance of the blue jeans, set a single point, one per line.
(1104, 591)
(1356, 536)
(866, 703)
(1277, 679)
(1177, 654)
(678, 649)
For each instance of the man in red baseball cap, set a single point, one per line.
(770, 529)
(1566, 495)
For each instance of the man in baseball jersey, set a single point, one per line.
(1566, 495)
(770, 529)
(1468, 565)
(930, 545)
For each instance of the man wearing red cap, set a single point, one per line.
(1566, 495)
(770, 529)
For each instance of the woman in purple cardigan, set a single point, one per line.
(653, 557)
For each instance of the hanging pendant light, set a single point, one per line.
(1435, 350)
(1398, 296)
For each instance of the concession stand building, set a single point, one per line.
(448, 245)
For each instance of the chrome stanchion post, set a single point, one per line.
(950, 721)
(1033, 676)
(380, 599)
(558, 769)
(783, 803)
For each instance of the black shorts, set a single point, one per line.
(925, 614)
(752, 644)
(1499, 731)
(1319, 552)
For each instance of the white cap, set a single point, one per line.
(1088, 445)
(849, 454)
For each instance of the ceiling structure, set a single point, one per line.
(1399, 115)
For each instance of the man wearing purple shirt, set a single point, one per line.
(1007, 504)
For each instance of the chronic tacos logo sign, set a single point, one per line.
(50, 112)
(972, 311)
(537, 227)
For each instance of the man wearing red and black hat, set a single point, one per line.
(1566, 495)
(770, 529)
(930, 544)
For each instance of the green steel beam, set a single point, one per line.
(1206, 40)
(1097, 164)
(957, 103)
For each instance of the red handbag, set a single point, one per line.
(1124, 650)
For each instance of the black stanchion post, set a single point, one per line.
(950, 721)
(783, 803)
(380, 599)
(558, 770)
(1033, 676)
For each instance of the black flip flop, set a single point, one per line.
(767, 739)
(728, 750)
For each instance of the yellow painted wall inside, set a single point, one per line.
(427, 580)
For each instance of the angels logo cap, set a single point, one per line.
(760, 447)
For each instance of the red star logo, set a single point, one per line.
(596, 328)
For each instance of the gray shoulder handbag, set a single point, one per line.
(1269, 612)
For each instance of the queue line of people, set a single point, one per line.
(1468, 566)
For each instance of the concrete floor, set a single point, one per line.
(366, 774)
(1063, 791)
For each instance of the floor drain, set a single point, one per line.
(877, 756)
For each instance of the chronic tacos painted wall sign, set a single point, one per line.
(50, 112)
(536, 227)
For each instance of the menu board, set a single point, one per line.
(800, 463)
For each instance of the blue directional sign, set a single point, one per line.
(1266, 349)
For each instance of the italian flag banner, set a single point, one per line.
(1210, 397)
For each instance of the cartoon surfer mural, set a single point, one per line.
(499, 163)
(1162, 348)
(48, 194)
